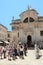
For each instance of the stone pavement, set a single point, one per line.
(28, 60)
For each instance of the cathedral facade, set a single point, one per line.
(29, 28)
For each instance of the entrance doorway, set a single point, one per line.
(29, 40)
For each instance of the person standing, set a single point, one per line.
(8, 50)
(4, 51)
(25, 49)
(21, 52)
(1, 52)
(18, 50)
(37, 50)
(14, 53)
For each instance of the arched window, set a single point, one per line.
(26, 20)
(8, 35)
(31, 19)
(41, 33)
(18, 34)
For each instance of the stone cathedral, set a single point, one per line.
(29, 28)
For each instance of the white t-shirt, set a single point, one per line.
(21, 49)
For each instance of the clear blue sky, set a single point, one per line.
(9, 8)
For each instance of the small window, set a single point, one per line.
(26, 20)
(8, 35)
(31, 19)
(41, 33)
(18, 34)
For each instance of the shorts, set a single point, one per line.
(21, 53)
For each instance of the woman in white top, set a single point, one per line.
(37, 50)
(21, 52)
